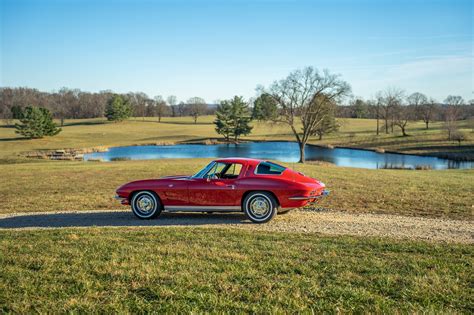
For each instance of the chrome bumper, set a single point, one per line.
(122, 200)
(323, 194)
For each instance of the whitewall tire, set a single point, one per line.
(260, 206)
(145, 205)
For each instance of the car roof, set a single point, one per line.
(239, 160)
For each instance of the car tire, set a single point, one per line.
(260, 206)
(145, 205)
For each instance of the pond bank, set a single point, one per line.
(279, 150)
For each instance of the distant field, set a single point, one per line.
(55, 185)
(108, 270)
(85, 133)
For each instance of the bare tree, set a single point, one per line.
(454, 100)
(388, 100)
(139, 102)
(401, 116)
(451, 116)
(452, 113)
(417, 99)
(181, 109)
(458, 136)
(427, 112)
(161, 109)
(172, 100)
(196, 107)
(303, 95)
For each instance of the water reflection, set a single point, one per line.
(281, 151)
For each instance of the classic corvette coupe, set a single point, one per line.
(260, 189)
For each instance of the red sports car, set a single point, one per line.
(259, 188)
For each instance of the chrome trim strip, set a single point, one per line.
(323, 194)
(203, 208)
(303, 197)
(119, 198)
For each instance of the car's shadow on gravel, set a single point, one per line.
(117, 218)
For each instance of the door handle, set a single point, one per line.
(230, 186)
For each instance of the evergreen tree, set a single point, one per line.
(118, 108)
(17, 112)
(264, 107)
(233, 118)
(36, 123)
(223, 121)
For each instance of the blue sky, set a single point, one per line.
(217, 49)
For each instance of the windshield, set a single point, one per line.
(202, 172)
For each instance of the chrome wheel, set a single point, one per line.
(260, 206)
(146, 205)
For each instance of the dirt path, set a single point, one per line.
(327, 222)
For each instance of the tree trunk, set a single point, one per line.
(302, 159)
(320, 136)
(159, 118)
(427, 122)
(403, 131)
(195, 119)
(386, 125)
(62, 121)
(377, 125)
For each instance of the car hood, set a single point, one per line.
(149, 182)
(174, 177)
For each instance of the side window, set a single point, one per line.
(269, 168)
(216, 170)
(232, 171)
(225, 171)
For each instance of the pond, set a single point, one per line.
(280, 151)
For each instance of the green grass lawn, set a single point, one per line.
(201, 270)
(54, 185)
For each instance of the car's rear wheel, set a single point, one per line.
(145, 205)
(260, 206)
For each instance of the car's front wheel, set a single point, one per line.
(260, 206)
(145, 205)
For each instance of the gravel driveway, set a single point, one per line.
(326, 222)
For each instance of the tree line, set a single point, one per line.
(75, 104)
